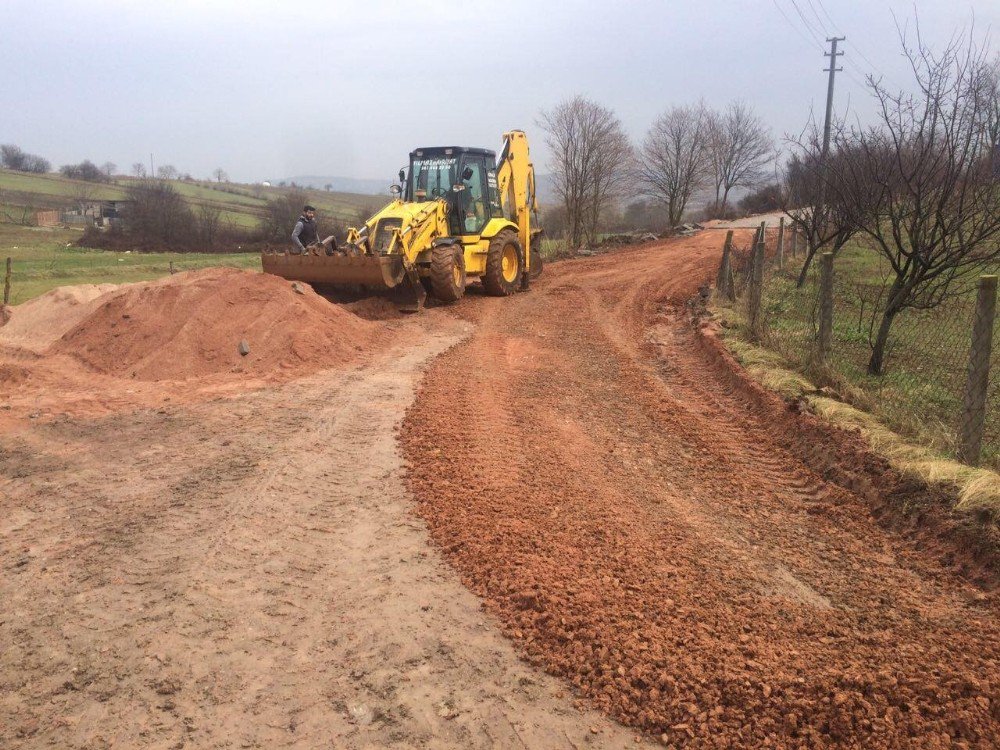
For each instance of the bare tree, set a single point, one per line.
(157, 215)
(208, 222)
(673, 157)
(85, 170)
(591, 161)
(12, 157)
(920, 185)
(36, 164)
(740, 147)
(281, 213)
(167, 172)
(139, 169)
(991, 87)
(220, 175)
(813, 207)
(109, 168)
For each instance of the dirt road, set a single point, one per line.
(248, 573)
(253, 571)
(646, 531)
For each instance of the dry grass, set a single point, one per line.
(975, 489)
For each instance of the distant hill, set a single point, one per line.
(365, 186)
(360, 185)
(240, 205)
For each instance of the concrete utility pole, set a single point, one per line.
(832, 70)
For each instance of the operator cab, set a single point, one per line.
(466, 178)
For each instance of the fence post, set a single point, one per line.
(974, 399)
(755, 288)
(781, 243)
(6, 284)
(723, 285)
(824, 344)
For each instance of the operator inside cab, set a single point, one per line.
(468, 204)
(459, 182)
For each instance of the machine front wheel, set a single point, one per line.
(448, 272)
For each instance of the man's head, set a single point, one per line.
(309, 212)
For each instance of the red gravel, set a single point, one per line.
(647, 530)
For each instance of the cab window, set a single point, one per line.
(432, 178)
(474, 206)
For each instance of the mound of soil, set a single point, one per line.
(191, 325)
(38, 323)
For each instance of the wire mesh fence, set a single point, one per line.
(920, 392)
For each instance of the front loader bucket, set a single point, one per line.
(373, 271)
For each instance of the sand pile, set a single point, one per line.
(38, 323)
(190, 325)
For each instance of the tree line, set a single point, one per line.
(686, 150)
(920, 185)
(14, 158)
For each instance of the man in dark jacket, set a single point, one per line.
(305, 232)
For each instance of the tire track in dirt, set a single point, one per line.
(248, 573)
(634, 522)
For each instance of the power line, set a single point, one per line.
(814, 42)
(833, 25)
(819, 20)
(809, 26)
(854, 45)
(795, 28)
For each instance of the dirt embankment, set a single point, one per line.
(190, 325)
(97, 348)
(641, 527)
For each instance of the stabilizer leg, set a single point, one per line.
(412, 292)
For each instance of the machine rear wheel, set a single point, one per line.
(448, 272)
(503, 264)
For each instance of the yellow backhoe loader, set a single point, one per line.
(459, 214)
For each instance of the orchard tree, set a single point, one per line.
(920, 184)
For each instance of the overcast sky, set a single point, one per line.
(267, 90)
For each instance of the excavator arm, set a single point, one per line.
(516, 185)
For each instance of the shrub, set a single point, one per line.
(85, 170)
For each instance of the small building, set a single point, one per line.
(96, 213)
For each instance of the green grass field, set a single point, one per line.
(920, 393)
(43, 259)
(241, 205)
(46, 258)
